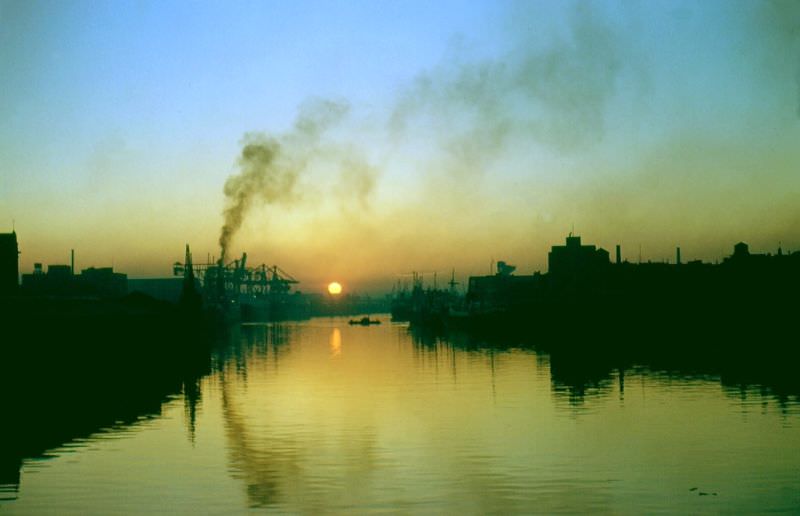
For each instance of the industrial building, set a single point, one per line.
(574, 258)
(59, 280)
(9, 263)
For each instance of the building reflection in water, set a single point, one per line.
(579, 373)
(73, 382)
(424, 422)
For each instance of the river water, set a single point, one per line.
(323, 417)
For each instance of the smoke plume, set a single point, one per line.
(554, 94)
(269, 166)
(258, 176)
(777, 29)
(581, 124)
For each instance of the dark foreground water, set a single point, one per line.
(320, 416)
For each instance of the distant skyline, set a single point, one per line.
(406, 135)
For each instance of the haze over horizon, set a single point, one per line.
(356, 141)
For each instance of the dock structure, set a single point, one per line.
(261, 292)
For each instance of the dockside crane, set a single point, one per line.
(231, 281)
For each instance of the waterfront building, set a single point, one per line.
(59, 280)
(9, 263)
(574, 258)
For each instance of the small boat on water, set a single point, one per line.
(364, 321)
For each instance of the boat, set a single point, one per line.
(364, 321)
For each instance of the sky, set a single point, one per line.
(359, 141)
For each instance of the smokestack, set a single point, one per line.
(72, 261)
(619, 255)
(678, 255)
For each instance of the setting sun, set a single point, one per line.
(334, 288)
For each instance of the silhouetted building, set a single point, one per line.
(103, 282)
(60, 281)
(574, 258)
(59, 272)
(741, 250)
(57, 281)
(582, 281)
(743, 258)
(9, 263)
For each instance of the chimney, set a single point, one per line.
(619, 255)
(677, 255)
(72, 261)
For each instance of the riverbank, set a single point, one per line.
(74, 366)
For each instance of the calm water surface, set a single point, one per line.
(320, 416)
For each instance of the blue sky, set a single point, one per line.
(485, 127)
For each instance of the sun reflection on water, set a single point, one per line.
(336, 342)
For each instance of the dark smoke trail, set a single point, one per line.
(774, 27)
(556, 95)
(269, 167)
(258, 176)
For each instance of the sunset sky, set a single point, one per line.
(397, 136)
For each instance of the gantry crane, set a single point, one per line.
(235, 281)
